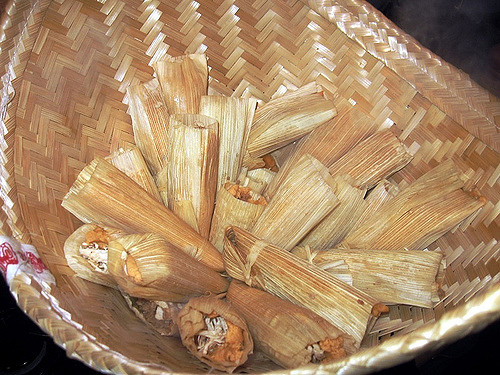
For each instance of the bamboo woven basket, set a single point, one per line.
(65, 66)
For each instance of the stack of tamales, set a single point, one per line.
(242, 226)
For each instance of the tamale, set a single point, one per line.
(328, 142)
(270, 268)
(290, 335)
(235, 205)
(192, 169)
(433, 203)
(183, 81)
(213, 332)
(302, 201)
(86, 251)
(104, 195)
(255, 179)
(132, 163)
(410, 277)
(159, 315)
(235, 116)
(147, 266)
(375, 158)
(339, 222)
(286, 119)
(149, 123)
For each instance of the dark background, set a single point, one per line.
(466, 33)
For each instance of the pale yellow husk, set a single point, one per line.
(235, 117)
(268, 267)
(410, 277)
(147, 266)
(306, 196)
(192, 169)
(258, 179)
(104, 195)
(132, 163)
(149, 115)
(183, 81)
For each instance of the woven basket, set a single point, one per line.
(65, 66)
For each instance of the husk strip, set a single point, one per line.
(149, 115)
(270, 268)
(237, 343)
(192, 169)
(306, 196)
(104, 195)
(235, 117)
(410, 277)
(147, 266)
(283, 330)
(183, 81)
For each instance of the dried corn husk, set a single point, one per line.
(434, 204)
(86, 253)
(302, 201)
(290, 335)
(286, 119)
(149, 122)
(339, 222)
(256, 179)
(192, 169)
(235, 205)
(270, 268)
(147, 266)
(104, 195)
(373, 159)
(215, 333)
(132, 163)
(235, 116)
(183, 80)
(328, 142)
(410, 277)
(159, 315)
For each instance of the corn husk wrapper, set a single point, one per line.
(287, 333)
(149, 115)
(235, 205)
(104, 195)
(306, 196)
(192, 169)
(434, 203)
(410, 277)
(339, 222)
(183, 81)
(373, 159)
(328, 142)
(235, 117)
(159, 315)
(256, 179)
(95, 270)
(147, 266)
(235, 342)
(288, 118)
(270, 268)
(132, 163)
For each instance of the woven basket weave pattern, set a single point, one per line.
(69, 64)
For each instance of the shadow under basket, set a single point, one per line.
(65, 69)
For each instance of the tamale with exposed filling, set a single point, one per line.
(290, 335)
(104, 195)
(411, 277)
(302, 201)
(214, 332)
(183, 80)
(277, 271)
(147, 266)
(86, 251)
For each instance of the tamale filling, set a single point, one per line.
(327, 350)
(221, 341)
(243, 193)
(95, 249)
(270, 163)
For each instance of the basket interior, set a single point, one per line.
(70, 106)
